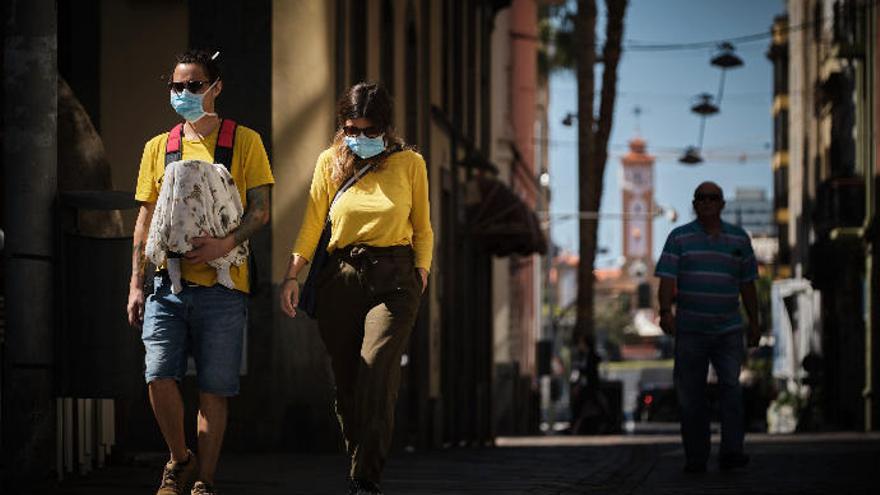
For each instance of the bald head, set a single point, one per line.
(709, 187)
(708, 203)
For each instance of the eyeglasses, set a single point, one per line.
(192, 86)
(707, 197)
(370, 132)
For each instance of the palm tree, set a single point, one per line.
(571, 37)
(593, 135)
(569, 41)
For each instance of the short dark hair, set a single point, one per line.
(200, 57)
(366, 100)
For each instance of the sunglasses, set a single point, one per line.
(191, 86)
(353, 131)
(707, 197)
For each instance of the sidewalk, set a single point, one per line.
(643, 464)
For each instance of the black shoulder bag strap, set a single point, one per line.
(308, 296)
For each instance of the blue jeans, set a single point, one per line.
(693, 353)
(206, 322)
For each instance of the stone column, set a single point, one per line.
(29, 191)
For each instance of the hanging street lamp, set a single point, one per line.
(691, 156)
(725, 56)
(704, 105)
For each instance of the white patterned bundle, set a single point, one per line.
(197, 199)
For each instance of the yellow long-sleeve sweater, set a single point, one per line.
(386, 207)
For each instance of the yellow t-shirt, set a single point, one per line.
(386, 207)
(250, 169)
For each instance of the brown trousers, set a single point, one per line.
(368, 299)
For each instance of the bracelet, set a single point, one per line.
(288, 279)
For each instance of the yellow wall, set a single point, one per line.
(137, 53)
(303, 115)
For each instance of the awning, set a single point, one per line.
(500, 221)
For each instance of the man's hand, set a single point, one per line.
(136, 307)
(754, 336)
(665, 296)
(424, 274)
(206, 249)
(289, 296)
(667, 323)
(750, 300)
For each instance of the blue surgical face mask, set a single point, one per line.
(189, 105)
(365, 147)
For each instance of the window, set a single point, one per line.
(411, 70)
(357, 41)
(386, 69)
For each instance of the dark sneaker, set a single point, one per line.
(734, 460)
(202, 488)
(177, 476)
(363, 487)
(695, 467)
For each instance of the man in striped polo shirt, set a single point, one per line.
(705, 267)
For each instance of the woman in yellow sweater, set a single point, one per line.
(368, 291)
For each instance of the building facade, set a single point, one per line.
(519, 96)
(467, 95)
(825, 187)
(750, 209)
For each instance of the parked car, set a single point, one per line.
(657, 402)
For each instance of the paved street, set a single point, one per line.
(642, 464)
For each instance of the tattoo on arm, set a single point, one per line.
(139, 258)
(256, 214)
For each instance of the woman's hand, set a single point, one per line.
(290, 285)
(424, 276)
(289, 296)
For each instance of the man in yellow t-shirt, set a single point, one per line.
(206, 319)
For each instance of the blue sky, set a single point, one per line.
(737, 143)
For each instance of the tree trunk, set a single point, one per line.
(593, 141)
(585, 52)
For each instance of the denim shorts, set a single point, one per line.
(207, 323)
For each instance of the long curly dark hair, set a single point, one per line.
(365, 100)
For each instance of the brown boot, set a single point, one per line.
(202, 488)
(178, 476)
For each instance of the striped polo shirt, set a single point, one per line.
(708, 271)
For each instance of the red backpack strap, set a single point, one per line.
(227, 133)
(225, 143)
(173, 147)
